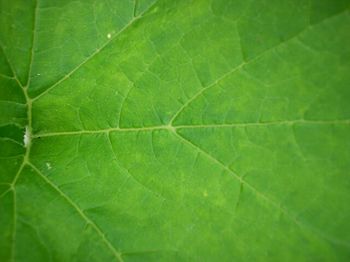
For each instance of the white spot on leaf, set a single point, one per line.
(48, 165)
(109, 36)
(26, 138)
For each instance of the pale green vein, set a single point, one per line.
(115, 252)
(11, 140)
(11, 66)
(12, 102)
(14, 227)
(28, 132)
(97, 51)
(243, 64)
(101, 131)
(272, 123)
(135, 8)
(122, 104)
(171, 128)
(261, 195)
(35, 26)
(119, 165)
(6, 76)
(25, 159)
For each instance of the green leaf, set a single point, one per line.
(174, 130)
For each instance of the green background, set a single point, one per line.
(175, 130)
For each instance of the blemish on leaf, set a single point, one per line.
(26, 137)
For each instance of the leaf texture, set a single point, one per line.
(158, 130)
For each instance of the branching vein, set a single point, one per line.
(97, 51)
(172, 128)
(116, 253)
(272, 202)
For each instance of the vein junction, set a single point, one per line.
(175, 128)
(29, 137)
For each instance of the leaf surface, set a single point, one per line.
(158, 130)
